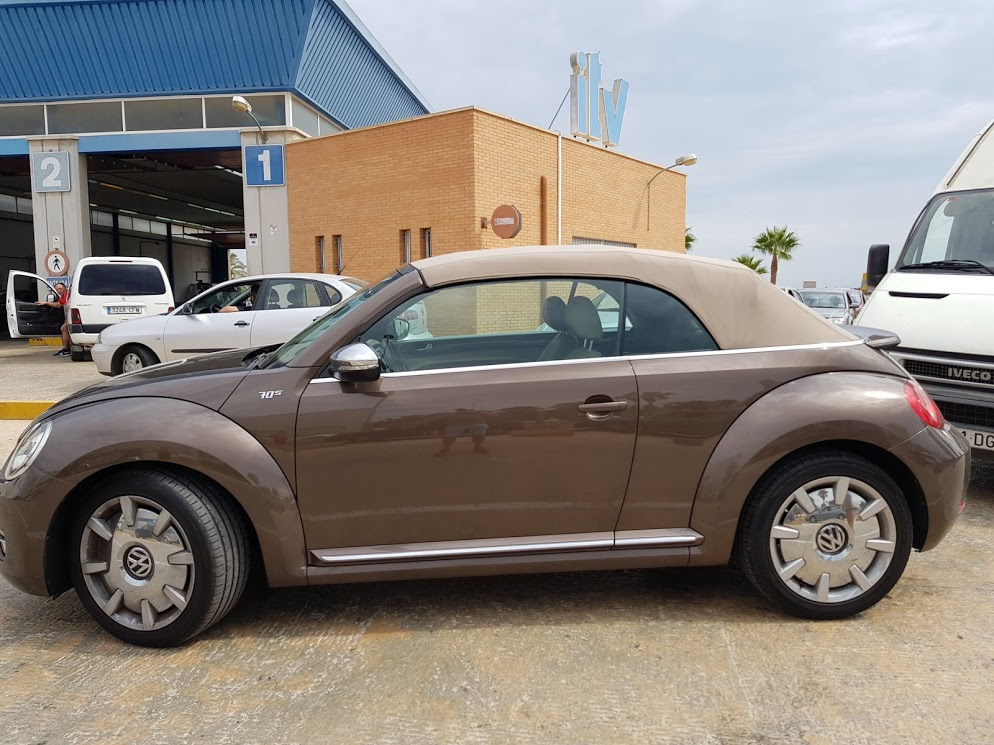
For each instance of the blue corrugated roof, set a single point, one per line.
(56, 50)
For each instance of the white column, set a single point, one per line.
(267, 213)
(61, 218)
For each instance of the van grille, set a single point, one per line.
(958, 373)
(967, 415)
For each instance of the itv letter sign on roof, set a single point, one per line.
(596, 113)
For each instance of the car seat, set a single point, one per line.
(583, 322)
(554, 315)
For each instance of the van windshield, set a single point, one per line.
(120, 279)
(956, 234)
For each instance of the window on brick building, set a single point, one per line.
(425, 243)
(319, 253)
(339, 255)
(405, 246)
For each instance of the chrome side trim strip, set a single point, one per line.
(662, 538)
(541, 544)
(628, 358)
(460, 549)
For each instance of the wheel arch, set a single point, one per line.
(865, 414)
(116, 364)
(57, 541)
(184, 438)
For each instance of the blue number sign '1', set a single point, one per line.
(264, 165)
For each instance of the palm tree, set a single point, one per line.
(689, 239)
(752, 262)
(236, 267)
(778, 244)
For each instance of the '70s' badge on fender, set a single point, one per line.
(270, 394)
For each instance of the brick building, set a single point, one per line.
(366, 200)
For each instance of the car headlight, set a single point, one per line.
(841, 320)
(28, 448)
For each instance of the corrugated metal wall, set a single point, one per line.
(337, 65)
(122, 48)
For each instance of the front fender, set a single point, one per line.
(839, 406)
(102, 435)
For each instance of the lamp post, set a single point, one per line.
(683, 160)
(239, 104)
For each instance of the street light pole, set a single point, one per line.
(241, 105)
(683, 160)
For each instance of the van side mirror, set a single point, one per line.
(356, 363)
(877, 261)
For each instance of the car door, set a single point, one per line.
(201, 326)
(288, 305)
(25, 317)
(475, 440)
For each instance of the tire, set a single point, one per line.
(157, 589)
(823, 508)
(136, 357)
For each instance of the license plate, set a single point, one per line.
(121, 310)
(979, 440)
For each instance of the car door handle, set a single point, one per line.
(425, 348)
(241, 323)
(600, 409)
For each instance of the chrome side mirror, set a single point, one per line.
(356, 363)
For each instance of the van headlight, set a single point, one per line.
(27, 449)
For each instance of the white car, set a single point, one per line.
(241, 313)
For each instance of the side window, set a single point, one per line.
(498, 323)
(334, 296)
(284, 294)
(661, 324)
(239, 296)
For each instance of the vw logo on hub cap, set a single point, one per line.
(138, 562)
(831, 539)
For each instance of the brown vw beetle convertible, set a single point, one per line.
(555, 409)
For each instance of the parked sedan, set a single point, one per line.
(718, 425)
(838, 306)
(245, 312)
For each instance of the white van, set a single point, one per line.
(103, 290)
(939, 298)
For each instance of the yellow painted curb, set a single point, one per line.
(23, 409)
(45, 341)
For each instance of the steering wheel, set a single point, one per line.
(215, 308)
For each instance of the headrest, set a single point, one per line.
(582, 319)
(554, 313)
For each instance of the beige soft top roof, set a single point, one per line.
(740, 309)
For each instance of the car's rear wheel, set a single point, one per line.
(157, 557)
(136, 358)
(826, 535)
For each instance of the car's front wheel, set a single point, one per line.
(135, 358)
(826, 535)
(157, 557)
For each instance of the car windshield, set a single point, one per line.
(955, 234)
(823, 299)
(293, 348)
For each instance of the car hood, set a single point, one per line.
(129, 330)
(207, 380)
(830, 312)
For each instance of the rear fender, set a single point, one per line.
(839, 406)
(90, 439)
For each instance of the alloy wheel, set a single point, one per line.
(833, 539)
(137, 563)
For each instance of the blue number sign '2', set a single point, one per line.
(264, 165)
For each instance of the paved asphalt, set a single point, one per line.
(685, 657)
(33, 374)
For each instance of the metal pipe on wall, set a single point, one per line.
(559, 193)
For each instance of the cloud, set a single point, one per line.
(837, 119)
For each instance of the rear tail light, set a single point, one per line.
(171, 309)
(75, 317)
(923, 404)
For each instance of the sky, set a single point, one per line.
(836, 119)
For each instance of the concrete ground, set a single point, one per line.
(685, 657)
(32, 374)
